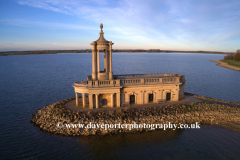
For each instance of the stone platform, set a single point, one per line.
(187, 100)
(71, 105)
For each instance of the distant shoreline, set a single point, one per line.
(224, 64)
(11, 53)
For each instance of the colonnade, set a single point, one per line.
(91, 100)
(114, 100)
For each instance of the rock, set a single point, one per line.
(46, 118)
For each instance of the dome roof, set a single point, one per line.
(101, 40)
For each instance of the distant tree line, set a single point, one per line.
(235, 56)
(43, 52)
(114, 50)
(129, 50)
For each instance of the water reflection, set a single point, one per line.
(209, 142)
(108, 147)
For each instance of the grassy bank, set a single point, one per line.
(232, 62)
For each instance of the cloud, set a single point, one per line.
(4, 46)
(23, 46)
(49, 25)
(154, 21)
(143, 14)
(51, 5)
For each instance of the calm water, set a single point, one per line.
(33, 81)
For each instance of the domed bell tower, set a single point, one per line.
(102, 44)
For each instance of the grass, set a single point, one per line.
(232, 62)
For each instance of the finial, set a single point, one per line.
(101, 26)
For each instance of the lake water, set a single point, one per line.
(29, 82)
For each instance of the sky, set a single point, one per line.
(206, 25)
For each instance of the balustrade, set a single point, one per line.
(133, 79)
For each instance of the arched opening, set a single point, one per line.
(150, 98)
(168, 96)
(132, 99)
(104, 102)
(101, 61)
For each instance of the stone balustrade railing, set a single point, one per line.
(123, 76)
(81, 83)
(98, 83)
(133, 79)
(103, 83)
(149, 81)
(142, 75)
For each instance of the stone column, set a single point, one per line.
(83, 100)
(159, 95)
(77, 99)
(110, 60)
(126, 97)
(90, 96)
(107, 61)
(142, 92)
(98, 64)
(118, 99)
(143, 97)
(97, 102)
(146, 97)
(110, 65)
(94, 64)
(135, 98)
(154, 97)
(171, 98)
(112, 100)
(177, 95)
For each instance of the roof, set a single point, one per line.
(101, 39)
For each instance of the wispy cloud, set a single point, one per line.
(49, 25)
(23, 46)
(51, 5)
(156, 22)
(175, 15)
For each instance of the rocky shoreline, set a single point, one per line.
(48, 117)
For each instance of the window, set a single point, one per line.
(168, 97)
(132, 99)
(104, 102)
(150, 98)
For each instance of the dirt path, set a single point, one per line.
(224, 64)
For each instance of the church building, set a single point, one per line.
(103, 89)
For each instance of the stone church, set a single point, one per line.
(103, 89)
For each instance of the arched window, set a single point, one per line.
(150, 98)
(132, 99)
(168, 96)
